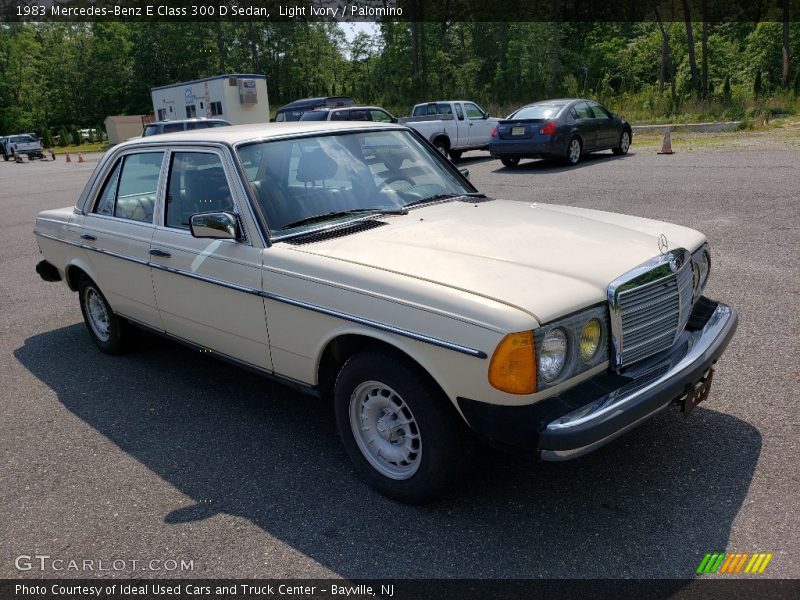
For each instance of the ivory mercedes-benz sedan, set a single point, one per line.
(354, 262)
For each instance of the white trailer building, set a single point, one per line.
(238, 98)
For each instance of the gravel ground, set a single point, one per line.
(166, 454)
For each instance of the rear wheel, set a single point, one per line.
(624, 143)
(442, 146)
(403, 436)
(510, 161)
(106, 329)
(573, 151)
(455, 155)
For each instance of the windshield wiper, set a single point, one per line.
(343, 213)
(436, 197)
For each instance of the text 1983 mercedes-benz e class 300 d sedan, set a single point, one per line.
(354, 262)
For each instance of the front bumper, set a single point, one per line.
(601, 409)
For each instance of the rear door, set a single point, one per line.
(207, 290)
(117, 231)
(586, 125)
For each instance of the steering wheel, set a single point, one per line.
(393, 179)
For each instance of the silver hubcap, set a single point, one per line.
(385, 430)
(99, 319)
(574, 151)
(625, 142)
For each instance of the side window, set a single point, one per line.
(197, 183)
(583, 110)
(444, 109)
(473, 111)
(340, 115)
(359, 115)
(171, 127)
(459, 112)
(599, 111)
(380, 116)
(130, 190)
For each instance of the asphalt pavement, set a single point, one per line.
(165, 454)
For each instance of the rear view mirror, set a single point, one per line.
(216, 225)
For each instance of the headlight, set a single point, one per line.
(553, 354)
(590, 339)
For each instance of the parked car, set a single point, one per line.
(351, 113)
(21, 144)
(352, 261)
(452, 126)
(182, 125)
(564, 129)
(294, 110)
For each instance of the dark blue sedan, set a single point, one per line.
(565, 129)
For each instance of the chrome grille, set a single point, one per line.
(650, 306)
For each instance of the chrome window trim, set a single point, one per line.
(666, 265)
(420, 337)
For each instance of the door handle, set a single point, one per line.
(157, 252)
(89, 237)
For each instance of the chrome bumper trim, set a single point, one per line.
(701, 347)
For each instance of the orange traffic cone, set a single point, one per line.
(666, 145)
(80, 157)
(68, 159)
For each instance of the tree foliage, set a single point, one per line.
(55, 75)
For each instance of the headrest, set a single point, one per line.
(315, 166)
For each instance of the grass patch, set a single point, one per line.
(83, 148)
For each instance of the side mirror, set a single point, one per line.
(394, 119)
(486, 115)
(216, 225)
(464, 172)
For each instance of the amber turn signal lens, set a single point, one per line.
(513, 365)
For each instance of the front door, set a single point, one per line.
(480, 128)
(207, 290)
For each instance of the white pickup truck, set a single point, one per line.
(17, 145)
(453, 126)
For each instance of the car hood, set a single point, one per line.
(546, 260)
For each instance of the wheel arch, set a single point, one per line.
(441, 137)
(344, 344)
(73, 273)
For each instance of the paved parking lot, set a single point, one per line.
(166, 454)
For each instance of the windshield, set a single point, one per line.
(329, 175)
(537, 111)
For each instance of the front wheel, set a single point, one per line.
(623, 144)
(512, 161)
(106, 329)
(402, 434)
(5, 157)
(573, 151)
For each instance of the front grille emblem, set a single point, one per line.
(663, 244)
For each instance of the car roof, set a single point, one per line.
(313, 101)
(192, 120)
(241, 133)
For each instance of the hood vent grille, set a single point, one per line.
(328, 234)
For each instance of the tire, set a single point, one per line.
(574, 148)
(511, 161)
(5, 157)
(107, 330)
(416, 460)
(442, 146)
(455, 155)
(623, 144)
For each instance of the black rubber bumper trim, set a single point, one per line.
(523, 428)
